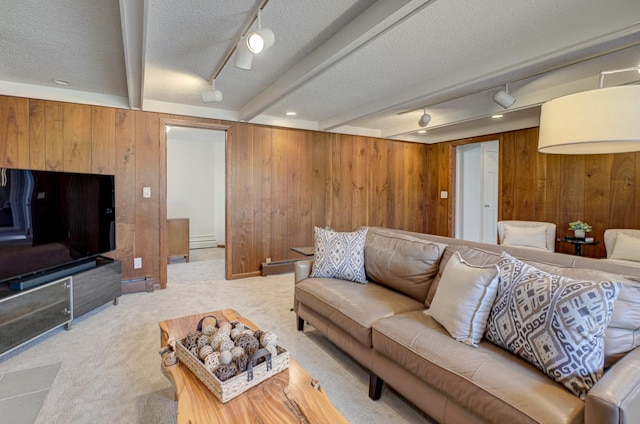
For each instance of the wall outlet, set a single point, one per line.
(146, 192)
(268, 260)
(444, 194)
(137, 263)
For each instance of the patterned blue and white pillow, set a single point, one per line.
(554, 322)
(339, 255)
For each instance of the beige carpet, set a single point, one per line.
(109, 363)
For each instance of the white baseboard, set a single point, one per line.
(203, 241)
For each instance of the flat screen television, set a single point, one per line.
(52, 220)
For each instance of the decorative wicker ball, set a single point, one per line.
(226, 357)
(212, 361)
(236, 351)
(272, 350)
(247, 331)
(235, 333)
(225, 371)
(209, 330)
(169, 359)
(226, 345)
(216, 339)
(192, 339)
(194, 350)
(203, 340)
(239, 326)
(242, 362)
(257, 334)
(269, 338)
(205, 351)
(225, 328)
(249, 343)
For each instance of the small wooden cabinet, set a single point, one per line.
(178, 238)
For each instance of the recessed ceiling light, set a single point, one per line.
(60, 82)
(291, 114)
(497, 116)
(422, 132)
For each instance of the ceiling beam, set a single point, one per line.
(488, 74)
(132, 22)
(377, 19)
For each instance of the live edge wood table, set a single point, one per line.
(290, 396)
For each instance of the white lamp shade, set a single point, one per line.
(210, 96)
(244, 57)
(606, 120)
(504, 99)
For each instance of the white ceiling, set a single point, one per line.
(352, 66)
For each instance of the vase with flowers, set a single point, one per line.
(580, 228)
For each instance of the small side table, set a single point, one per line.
(306, 250)
(577, 243)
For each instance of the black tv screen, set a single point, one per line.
(52, 219)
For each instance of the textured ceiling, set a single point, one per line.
(356, 66)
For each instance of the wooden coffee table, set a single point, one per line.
(290, 396)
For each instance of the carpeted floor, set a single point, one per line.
(109, 363)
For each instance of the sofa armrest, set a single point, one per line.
(302, 270)
(615, 398)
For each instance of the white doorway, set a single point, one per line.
(476, 214)
(196, 183)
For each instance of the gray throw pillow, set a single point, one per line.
(339, 255)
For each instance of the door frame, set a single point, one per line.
(176, 122)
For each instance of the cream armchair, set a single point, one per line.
(623, 246)
(533, 234)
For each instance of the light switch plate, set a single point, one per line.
(444, 194)
(146, 192)
(137, 263)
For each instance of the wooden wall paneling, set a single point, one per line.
(304, 234)
(37, 141)
(293, 141)
(420, 221)
(597, 199)
(103, 155)
(525, 167)
(279, 195)
(76, 133)
(636, 184)
(262, 187)
(396, 164)
(411, 186)
(572, 172)
(243, 206)
(446, 183)
(439, 169)
(507, 176)
(126, 189)
(147, 168)
(14, 132)
(54, 136)
(359, 182)
(320, 182)
(378, 183)
(551, 201)
(624, 194)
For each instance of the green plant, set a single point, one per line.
(579, 225)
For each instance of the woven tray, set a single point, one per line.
(228, 389)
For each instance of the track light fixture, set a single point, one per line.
(253, 43)
(424, 119)
(211, 94)
(503, 98)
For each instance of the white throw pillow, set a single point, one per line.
(464, 298)
(339, 255)
(525, 236)
(626, 248)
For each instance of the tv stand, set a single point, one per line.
(44, 307)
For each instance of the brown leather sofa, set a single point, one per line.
(382, 325)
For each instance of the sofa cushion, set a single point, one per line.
(402, 262)
(464, 300)
(353, 307)
(627, 248)
(553, 322)
(492, 383)
(339, 255)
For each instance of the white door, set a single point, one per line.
(476, 215)
(489, 191)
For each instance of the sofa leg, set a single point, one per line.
(300, 324)
(375, 386)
